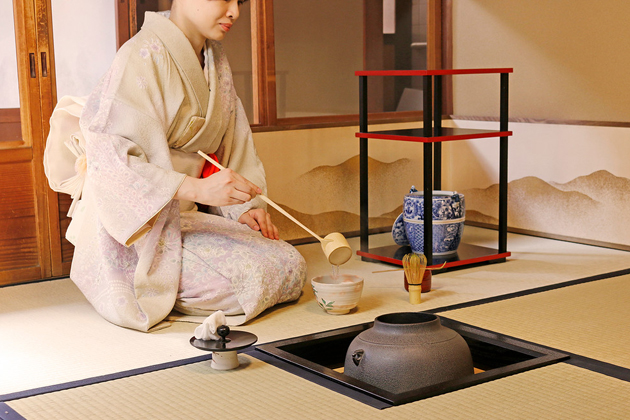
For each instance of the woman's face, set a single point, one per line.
(210, 19)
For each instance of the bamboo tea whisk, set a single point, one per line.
(414, 265)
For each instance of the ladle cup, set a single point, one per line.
(334, 245)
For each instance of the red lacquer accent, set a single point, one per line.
(448, 264)
(442, 72)
(480, 135)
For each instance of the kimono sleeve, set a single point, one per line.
(125, 124)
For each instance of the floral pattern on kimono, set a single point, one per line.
(155, 101)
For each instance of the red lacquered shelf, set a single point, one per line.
(443, 134)
(431, 136)
(443, 72)
(467, 255)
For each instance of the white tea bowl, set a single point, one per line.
(337, 295)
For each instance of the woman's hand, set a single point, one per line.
(223, 188)
(259, 219)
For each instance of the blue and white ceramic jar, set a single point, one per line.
(448, 221)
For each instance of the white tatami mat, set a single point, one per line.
(261, 391)
(590, 319)
(49, 334)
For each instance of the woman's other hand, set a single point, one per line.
(221, 189)
(259, 219)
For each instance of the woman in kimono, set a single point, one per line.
(142, 248)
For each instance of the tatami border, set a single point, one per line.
(6, 413)
(103, 378)
(530, 291)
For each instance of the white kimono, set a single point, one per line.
(137, 254)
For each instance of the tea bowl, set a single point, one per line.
(337, 295)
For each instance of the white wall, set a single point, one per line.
(85, 43)
(84, 34)
(570, 57)
(570, 63)
(552, 152)
(9, 92)
(318, 46)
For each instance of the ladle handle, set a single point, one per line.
(281, 210)
(209, 159)
(267, 200)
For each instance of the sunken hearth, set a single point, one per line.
(320, 358)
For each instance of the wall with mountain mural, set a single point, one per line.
(593, 207)
(566, 181)
(326, 198)
(569, 109)
(553, 190)
(314, 175)
(568, 166)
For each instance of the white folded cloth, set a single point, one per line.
(207, 330)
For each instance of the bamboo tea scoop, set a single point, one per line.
(335, 245)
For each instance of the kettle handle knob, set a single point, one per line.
(357, 356)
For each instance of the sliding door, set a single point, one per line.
(25, 225)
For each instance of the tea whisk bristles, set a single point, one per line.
(414, 265)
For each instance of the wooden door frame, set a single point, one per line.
(446, 54)
(123, 22)
(36, 93)
(263, 61)
(48, 100)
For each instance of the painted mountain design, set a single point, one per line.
(336, 188)
(601, 186)
(326, 198)
(593, 207)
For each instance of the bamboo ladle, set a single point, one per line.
(334, 245)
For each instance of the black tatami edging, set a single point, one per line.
(25, 283)
(576, 360)
(587, 363)
(103, 378)
(319, 380)
(508, 342)
(530, 291)
(7, 413)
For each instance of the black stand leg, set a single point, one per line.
(437, 132)
(428, 172)
(363, 165)
(503, 166)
